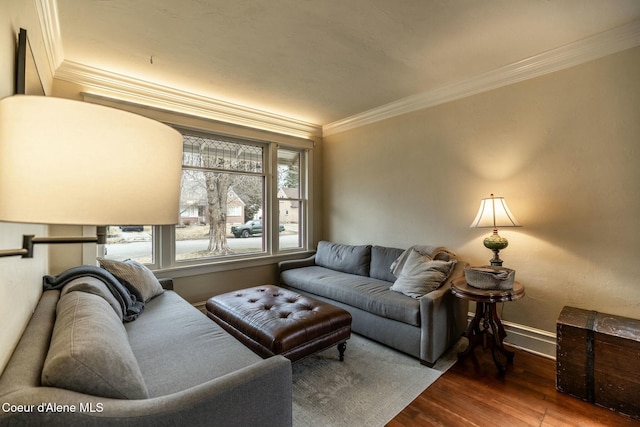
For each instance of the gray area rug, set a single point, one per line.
(371, 386)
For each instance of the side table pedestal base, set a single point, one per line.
(486, 329)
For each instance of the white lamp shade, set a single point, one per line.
(71, 162)
(493, 213)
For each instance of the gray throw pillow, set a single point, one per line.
(136, 274)
(421, 275)
(90, 352)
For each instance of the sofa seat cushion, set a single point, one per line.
(89, 351)
(366, 293)
(178, 347)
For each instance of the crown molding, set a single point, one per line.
(50, 25)
(129, 89)
(576, 53)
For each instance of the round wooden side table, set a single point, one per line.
(486, 327)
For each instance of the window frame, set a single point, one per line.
(302, 198)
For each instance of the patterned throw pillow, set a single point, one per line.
(421, 275)
(135, 274)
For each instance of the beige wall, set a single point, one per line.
(20, 279)
(564, 151)
(199, 288)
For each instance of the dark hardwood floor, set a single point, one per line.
(472, 393)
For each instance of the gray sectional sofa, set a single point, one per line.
(170, 366)
(358, 278)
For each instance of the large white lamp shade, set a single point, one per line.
(71, 162)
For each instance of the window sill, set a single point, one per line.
(217, 266)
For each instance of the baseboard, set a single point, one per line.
(537, 341)
(532, 340)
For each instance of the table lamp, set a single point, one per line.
(494, 213)
(71, 162)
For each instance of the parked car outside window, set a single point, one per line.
(250, 228)
(126, 228)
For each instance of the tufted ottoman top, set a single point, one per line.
(272, 320)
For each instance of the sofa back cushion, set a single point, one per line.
(90, 352)
(381, 259)
(345, 258)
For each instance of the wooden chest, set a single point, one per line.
(598, 359)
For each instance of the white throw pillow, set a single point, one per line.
(421, 275)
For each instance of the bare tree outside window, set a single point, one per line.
(213, 169)
(217, 194)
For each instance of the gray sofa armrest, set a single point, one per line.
(297, 263)
(438, 308)
(258, 395)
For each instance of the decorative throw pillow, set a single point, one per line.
(421, 275)
(433, 252)
(133, 273)
(90, 352)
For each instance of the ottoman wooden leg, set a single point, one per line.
(341, 348)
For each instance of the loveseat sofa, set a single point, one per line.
(419, 316)
(77, 363)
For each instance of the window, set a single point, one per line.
(234, 211)
(238, 199)
(290, 201)
(225, 178)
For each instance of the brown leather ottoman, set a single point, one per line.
(271, 320)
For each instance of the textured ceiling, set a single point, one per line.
(321, 61)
